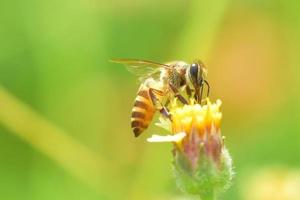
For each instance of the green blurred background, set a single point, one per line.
(65, 110)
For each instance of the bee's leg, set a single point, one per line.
(165, 112)
(167, 102)
(200, 94)
(178, 95)
(162, 109)
(188, 91)
(208, 88)
(196, 95)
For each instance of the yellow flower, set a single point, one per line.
(196, 118)
(194, 126)
(202, 164)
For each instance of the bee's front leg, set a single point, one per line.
(177, 94)
(208, 88)
(199, 93)
(188, 91)
(162, 109)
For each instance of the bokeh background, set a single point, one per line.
(65, 110)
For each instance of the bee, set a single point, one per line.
(159, 83)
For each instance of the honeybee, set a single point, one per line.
(159, 84)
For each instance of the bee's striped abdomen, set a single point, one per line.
(142, 112)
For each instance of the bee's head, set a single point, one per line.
(197, 73)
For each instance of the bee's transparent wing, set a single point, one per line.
(144, 72)
(142, 68)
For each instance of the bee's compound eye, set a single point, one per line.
(194, 71)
